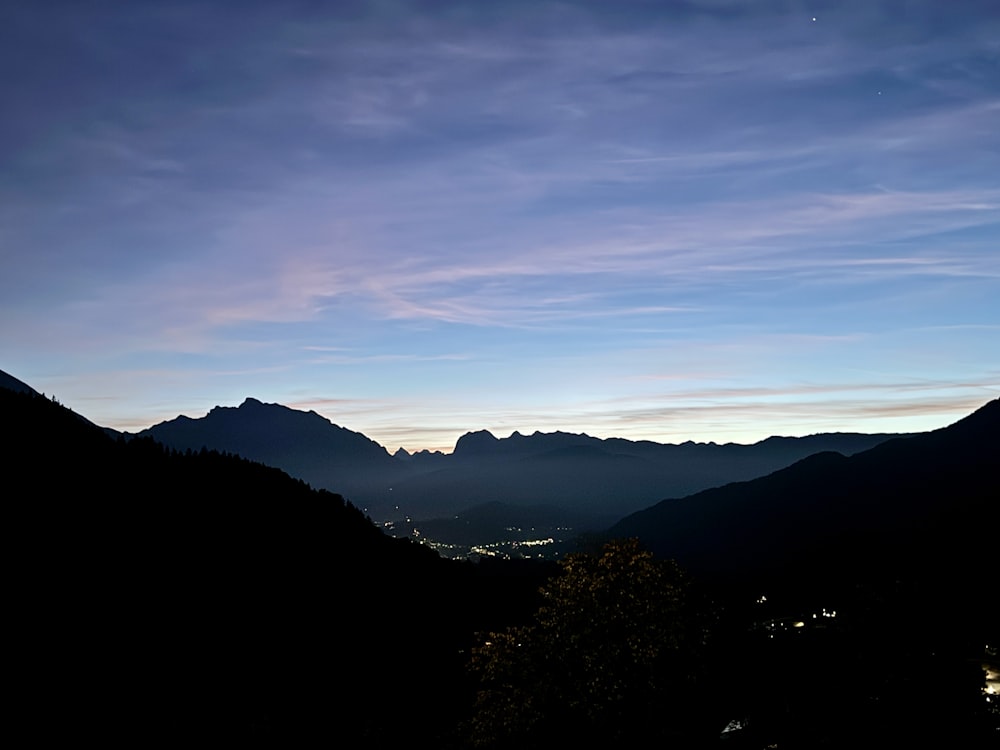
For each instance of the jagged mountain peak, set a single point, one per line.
(272, 414)
(270, 433)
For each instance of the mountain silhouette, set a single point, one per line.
(593, 481)
(304, 444)
(926, 506)
(13, 384)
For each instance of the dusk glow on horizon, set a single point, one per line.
(714, 220)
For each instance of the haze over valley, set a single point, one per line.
(489, 493)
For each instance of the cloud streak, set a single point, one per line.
(555, 193)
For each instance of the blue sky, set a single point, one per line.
(708, 220)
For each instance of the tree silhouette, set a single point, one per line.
(612, 654)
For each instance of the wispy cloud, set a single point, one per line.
(547, 187)
(389, 358)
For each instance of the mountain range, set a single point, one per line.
(160, 593)
(489, 486)
(743, 499)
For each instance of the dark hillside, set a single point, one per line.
(868, 588)
(920, 508)
(164, 595)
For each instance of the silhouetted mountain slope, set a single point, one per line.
(9, 382)
(304, 444)
(920, 507)
(163, 595)
(13, 384)
(901, 541)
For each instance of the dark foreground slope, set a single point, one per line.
(158, 595)
(861, 592)
(924, 507)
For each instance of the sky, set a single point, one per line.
(713, 220)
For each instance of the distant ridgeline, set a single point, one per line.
(511, 494)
